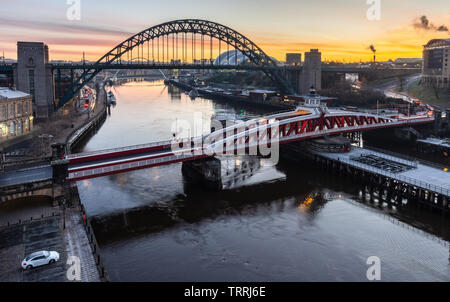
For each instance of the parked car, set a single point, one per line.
(39, 258)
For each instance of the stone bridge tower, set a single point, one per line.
(312, 71)
(33, 75)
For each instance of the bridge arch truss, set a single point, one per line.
(222, 33)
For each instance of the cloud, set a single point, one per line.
(63, 27)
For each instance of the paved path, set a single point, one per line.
(77, 244)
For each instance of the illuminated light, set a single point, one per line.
(340, 196)
(307, 203)
(238, 162)
(446, 169)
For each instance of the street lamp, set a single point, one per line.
(64, 213)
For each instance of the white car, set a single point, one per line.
(39, 258)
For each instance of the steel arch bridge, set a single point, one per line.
(193, 26)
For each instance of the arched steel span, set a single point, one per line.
(214, 30)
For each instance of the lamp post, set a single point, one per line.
(64, 213)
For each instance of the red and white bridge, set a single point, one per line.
(311, 120)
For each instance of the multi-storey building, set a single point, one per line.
(16, 113)
(436, 67)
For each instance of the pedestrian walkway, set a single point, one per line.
(77, 244)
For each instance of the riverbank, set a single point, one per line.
(57, 129)
(260, 97)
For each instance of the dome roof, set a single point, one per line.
(234, 57)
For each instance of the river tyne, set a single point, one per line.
(289, 222)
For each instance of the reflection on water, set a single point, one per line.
(240, 171)
(291, 222)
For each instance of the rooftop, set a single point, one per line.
(438, 42)
(11, 94)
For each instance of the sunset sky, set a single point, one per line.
(339, 28)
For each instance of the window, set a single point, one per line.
(26, 107)
(19, 128)
(19, 108)
(4, 112)
(31, 83)
(12, 110)
(12, 128)
(4, 129)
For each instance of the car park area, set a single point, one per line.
(18, 241)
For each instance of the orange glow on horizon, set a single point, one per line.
(404, 42)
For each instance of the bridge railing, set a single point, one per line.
(133, 165)
(119, 149)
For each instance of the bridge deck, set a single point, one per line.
(28, 175)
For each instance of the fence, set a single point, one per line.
(21, 221)
(6, 166)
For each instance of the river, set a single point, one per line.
(289, 222)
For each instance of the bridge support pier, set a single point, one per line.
(205, 172)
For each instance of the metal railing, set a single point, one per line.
(132, 165)
(119, 149)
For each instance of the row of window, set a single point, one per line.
(12, 110)
(15, 128)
